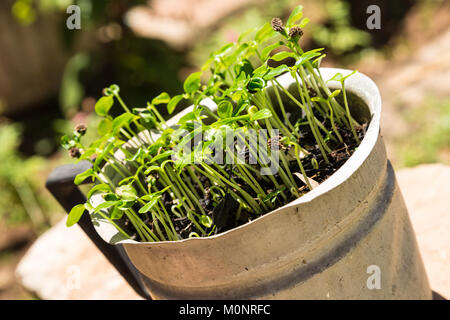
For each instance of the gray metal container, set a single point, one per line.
(335, 242)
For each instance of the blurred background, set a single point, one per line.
(51, 77)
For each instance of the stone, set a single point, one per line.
(64, 264)
(426, 190)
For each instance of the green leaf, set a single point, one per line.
(225, 109)
(121, 121)
(103, 105)
(308, 56)
(152, 168)
(244, 67)
(318, 99)
(75, 215)
(267, 50)
(275, 72)
(224, 50)
(152, 200)
(126, 193)
(261, 71)
(67, 143)
(188, 117)
(335, 93)
(296, 15)
(245, 34)
(161, 156)
(264, 33)
(116, 213)
(104, 127)
(206, 221)
(99, 187)
(261, 114)
(149, 205)
(105, 205)
(337, 77)
(283, 55)
(162, 98)
(256, 84)
(148, 197)
(192, 83)
(173, 103)
(303, 23)
(80, 178)
(111, 197)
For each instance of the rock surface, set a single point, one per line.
(64, 264)
(426, 189)
(53, 269)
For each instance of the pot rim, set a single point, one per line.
(360, 85)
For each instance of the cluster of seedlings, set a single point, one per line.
(173, 182)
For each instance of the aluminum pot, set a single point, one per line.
(349, 238)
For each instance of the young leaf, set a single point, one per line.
(121, 121)
(103, 105)
(149, 205)
(303, 23)
(162, 98)
(67, 143)
(104, 127)
(192, 83)
(264, 33)
(318, 99)
(282, 55)
(105, 205)
(256, 84)
(335, 93)
(75, 215)
(245, 34)
(111, 197)
(116, 213)
(296, 15)
(99, 187)
(80, 178)
(225, 109)
(261, 71)
(173, 103)
(308, 56)
(206, 221)
(337, 77)
(161, 156)
(126, 193)
(275, 72)
(261, 114)
(267, 50)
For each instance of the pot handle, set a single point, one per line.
(61, 186)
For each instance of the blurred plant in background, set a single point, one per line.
(428, 134)
(21, 199)
(337, 33)
(105, 51)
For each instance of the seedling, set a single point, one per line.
(173, 182)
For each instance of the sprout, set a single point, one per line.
(174, 184)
